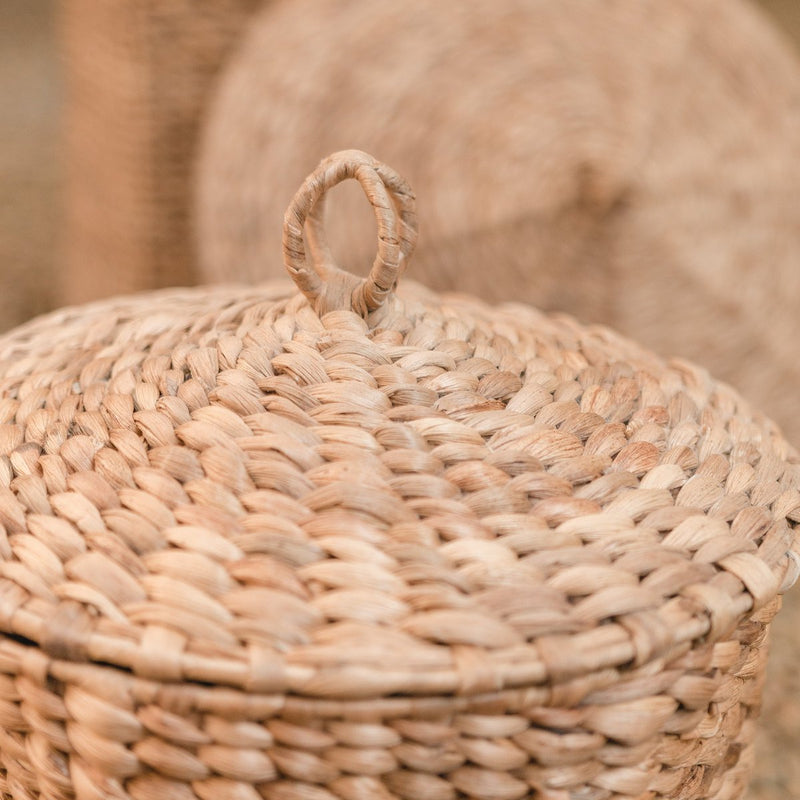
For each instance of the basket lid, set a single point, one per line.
(350, 493)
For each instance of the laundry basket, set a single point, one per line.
(359, 543)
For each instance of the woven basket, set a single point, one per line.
(642, 155)
(347, 543)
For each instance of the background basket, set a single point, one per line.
(429, 549)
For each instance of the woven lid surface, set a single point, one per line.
(347, 492)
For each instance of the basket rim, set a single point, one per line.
(550, 660)
(106, 680)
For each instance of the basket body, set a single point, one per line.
(469, 553)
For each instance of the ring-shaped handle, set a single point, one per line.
(326, 286)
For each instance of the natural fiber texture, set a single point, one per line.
(443, 551)
(634, 163)
(138, 75)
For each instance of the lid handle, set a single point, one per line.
(327, 286)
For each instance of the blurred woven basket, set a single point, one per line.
(28, 162)
(634, 163)
(137, 77)
(355, 544)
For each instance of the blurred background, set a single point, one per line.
(38, 195)
(32, 169)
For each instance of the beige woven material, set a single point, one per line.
(137, 76)
(634, 163)
(431, 550)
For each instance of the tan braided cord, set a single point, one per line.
(430, 549)
(633, 163)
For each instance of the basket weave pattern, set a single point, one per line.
(434, 550)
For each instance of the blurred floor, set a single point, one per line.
(30, 99)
